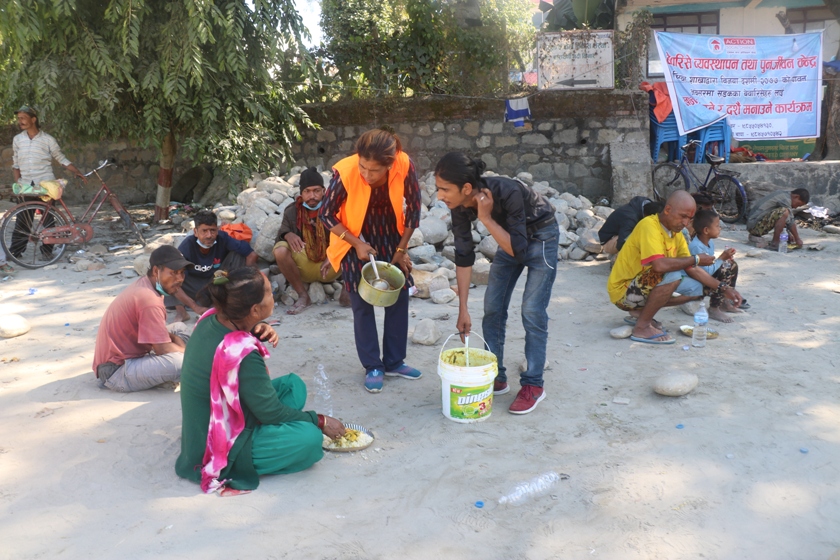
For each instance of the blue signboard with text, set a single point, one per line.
(767, 87)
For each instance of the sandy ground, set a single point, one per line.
(86, 473)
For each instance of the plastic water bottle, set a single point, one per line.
(783, 241)
(726, 264)
(323, 399)
(533, 488)
(701, 319)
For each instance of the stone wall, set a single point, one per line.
(567, 143)
(134, 178)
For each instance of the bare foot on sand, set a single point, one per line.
(718, 315)
(729, 308)
(302, 303)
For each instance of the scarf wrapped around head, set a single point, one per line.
(312, 231)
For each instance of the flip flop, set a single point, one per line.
(650, 339)
(632, 321)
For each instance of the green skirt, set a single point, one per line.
(292, 446)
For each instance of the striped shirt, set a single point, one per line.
(33, 157)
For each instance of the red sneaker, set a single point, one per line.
(527, 399)
(500, 387)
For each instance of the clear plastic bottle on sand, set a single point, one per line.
(533, 488)
(701, 320)
(783, 241)
(323, 398)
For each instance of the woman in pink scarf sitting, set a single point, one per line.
(238, 423)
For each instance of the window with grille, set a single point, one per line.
(707, 23)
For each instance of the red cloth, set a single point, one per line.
(663, 105)
(133, 322)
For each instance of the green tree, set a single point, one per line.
(160, 72)
(418, 46)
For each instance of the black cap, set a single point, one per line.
(310, 178)
(169, 257)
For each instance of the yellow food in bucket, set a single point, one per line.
(458, 357)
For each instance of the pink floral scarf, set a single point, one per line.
(226, 418)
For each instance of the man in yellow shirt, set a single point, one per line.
(649, 265)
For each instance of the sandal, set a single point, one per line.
(6, 268)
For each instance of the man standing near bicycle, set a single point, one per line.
(34, 151)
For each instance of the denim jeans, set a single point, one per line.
(541, 261)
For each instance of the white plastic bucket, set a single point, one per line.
(467, 392)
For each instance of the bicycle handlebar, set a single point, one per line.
(104, 163)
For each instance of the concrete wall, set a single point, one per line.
(567, 144)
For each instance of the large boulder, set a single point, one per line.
(13, 325)
(416, 239)
(589, 241)
(263, 242)
(428, 282)
(577, 254)
(434, 230)
(480, 272)
(562, 220)
(141, 264)
(426, 332)
(255, 217)
(603, 211)
(265, 205)
(317, 293)
(488, 246)
(417, 254)
(443, 296)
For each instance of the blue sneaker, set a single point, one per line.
(373, 381)
(404, 371)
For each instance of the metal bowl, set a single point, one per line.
(388, 272)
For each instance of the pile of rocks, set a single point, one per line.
(432, 247)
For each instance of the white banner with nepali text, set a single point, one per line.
(767, 87)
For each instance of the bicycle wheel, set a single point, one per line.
(129, 223)
(667, 178)
(728, 196)
(20, 235)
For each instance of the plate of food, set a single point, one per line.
(355, 438)
(688, 330)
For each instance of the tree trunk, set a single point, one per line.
(832, 129)
(164, 181)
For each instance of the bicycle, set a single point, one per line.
(36, 233)
(727, 192)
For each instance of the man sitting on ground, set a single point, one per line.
(724, 269)
(773, 213)
(134, 349)
(648, 269)
(209, 250)
(302, 241)
(620, 223)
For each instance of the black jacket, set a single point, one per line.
(516, 207)
(623, 220)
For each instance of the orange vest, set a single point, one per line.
(352, 213)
